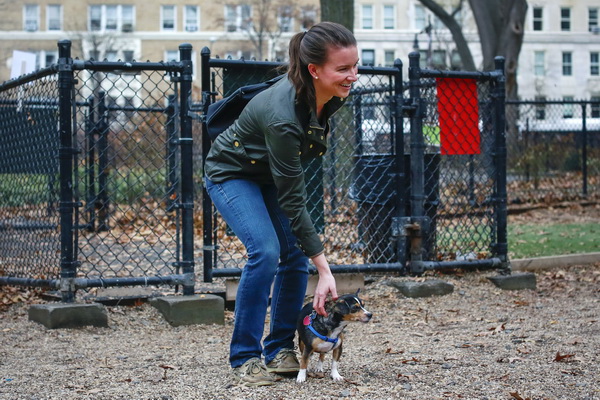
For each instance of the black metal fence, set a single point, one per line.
(554, 151)
(96, 165)
(414, 177)
(99, 163)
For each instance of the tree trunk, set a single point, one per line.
(340, 11)
(501, 30)
(459, 39)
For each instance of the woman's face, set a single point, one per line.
(336, 75)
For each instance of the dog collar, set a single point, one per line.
(308, 323)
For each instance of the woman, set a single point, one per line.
(254, 177)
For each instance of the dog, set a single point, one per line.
(318, 334)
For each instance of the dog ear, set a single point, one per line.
(357, 291)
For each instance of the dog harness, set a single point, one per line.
(308, 320)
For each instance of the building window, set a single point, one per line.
(389, 56)
(420, 18)
(31, 17)
(594, 63)
(284, 18)
(538, 21)
(593, 20)
(567, 63)
(238, 18)
(111, 55)
(568, 107)
(168, 18)
(539, 63)
(191, 16)
(308, 16)
(368, 57)
(389, 17)
(111, 18)
(54, 16)
(540, 107)
(565, 19)
(595, 105)
(367, 17)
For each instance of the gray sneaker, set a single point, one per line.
(285, 362)
(253, 373)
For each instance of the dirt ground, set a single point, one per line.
(477, 343)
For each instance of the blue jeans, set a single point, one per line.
(253, 213)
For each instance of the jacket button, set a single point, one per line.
(322, 137)
(321, 153)
(311, 146)
(236, 143)
(310, 132)
(299, 153)
(252, 161)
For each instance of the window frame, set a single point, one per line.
(163, 17)
(363, 58)
(385, 19)
(567, 63)
(30, 20)
(122, 23)
(537, 22)
(364, 18)
(594, 63)
(539, 63)
(59, 8)
(565, 19)
(593, 21)
(239, 11)
(191, 24)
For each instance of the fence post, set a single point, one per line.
(399, 167)
(90, 132)
(208, 250)
(584, 140)
(66, 153)
(418, 227)
(171, 152)
(499, 97)
(187, 166)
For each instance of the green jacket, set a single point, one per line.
(267, 144)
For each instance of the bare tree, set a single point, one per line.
(501, 30)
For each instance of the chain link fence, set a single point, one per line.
(554, 151)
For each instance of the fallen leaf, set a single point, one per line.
(560, 357)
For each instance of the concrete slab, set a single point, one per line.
(518, 281)
(545, 263)
(203, 309)
(345, 283)
(428, 288)
(69, 315)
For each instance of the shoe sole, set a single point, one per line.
(283, 370)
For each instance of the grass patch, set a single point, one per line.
(535, 240)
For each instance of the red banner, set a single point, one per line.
(459, 116)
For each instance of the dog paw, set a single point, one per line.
(301, 376)
(336, 376)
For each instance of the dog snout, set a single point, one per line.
(367, 315)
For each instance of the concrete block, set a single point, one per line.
(191, 310)
(525, 280)
(68, 315)
(432, 287)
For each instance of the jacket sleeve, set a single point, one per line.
(284, 146)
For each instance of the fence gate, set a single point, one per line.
(99, 158)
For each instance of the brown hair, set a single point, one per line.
(312, 47)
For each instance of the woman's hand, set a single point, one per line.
(325, 285)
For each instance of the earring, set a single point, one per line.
(316, 77)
